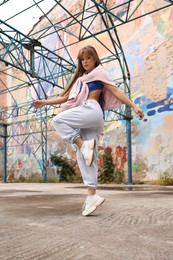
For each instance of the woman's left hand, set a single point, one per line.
(139, 112)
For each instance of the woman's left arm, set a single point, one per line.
(118, 93)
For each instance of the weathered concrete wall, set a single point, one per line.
(149, 54)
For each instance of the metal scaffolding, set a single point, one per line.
(45, 66)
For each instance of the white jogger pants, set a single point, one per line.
(85, 121)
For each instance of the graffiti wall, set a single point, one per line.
(149, 54)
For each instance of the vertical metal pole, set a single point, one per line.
(5, 152)
(44, 144)
(129, 144)
(32, 61)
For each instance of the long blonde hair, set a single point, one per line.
(79, 68)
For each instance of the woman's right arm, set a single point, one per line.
(62, 98)
(56, 101)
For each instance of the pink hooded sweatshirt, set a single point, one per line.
(76, 97)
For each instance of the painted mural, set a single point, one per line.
(149, 53)
(148, 47)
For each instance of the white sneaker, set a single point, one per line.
(90, 206)
(87, 151)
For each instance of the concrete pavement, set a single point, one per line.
(44, 221)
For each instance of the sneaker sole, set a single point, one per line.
(92, 147)
(89, 212)
(88, 163)
(100, 202)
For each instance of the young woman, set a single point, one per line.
(89, 92)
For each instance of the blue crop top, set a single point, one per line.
(94, 85)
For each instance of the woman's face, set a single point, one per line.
(88, 62)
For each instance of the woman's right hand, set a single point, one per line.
(38, 103)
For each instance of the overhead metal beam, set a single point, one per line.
(15, 50)
(129, 14)
(3, 2)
